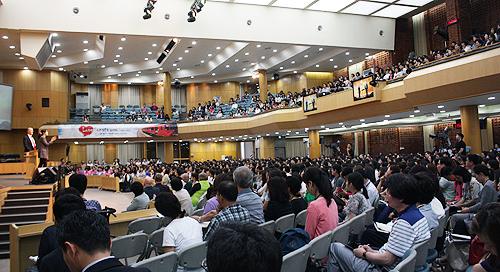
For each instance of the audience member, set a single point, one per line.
(182, 195)
(243, 177)
(159, 185)
(140, 200)
(358, 203)
(298, 202)
(279, 204)
(79, 182)
(149, 189)
(486, 225)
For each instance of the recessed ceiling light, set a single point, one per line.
(119, 74)
(227, 66)
(361, 120)
(103, 66)
(129, 83)
(350, 60)
(120, 63)
(115, 60)
(209, 55)
(281, 68)
(335, 66)
(246, 54)
(387, 116)
(59, 51)
(180, 58)
(294, 72)
(85, 42)
(416, 111)
(367, 54)
(317, 65)
(55, 34)
(178, 69)
(322, 126)
(442, 111)
(175, 64)
(17, 54)
(218, 48)
(296, 132)
(53, 56)
(275, 50)
(161, 68)
(150, 53)
(92, 82)
(85, 62)
(154, 44)
(157, 72)
(341, 123)
(253, 63)
(411, 116)
(482, 106)
(21, 58)
(215, 81)
(60, 69)
(120, 48)
(491, 98)
(440, 106)
(193, 42)
(26, 68)
(186, 51)
(213, 74)
(293, 62)
(202, 61)
(248, 81)
(244, 69)
(85, 49)
(306, 56)
(137, 75)
(57, 44)
(146, 58)
(5, 37)
(263, 57)
(331, 59)
(139, 72)
(258, 45)
(109, 76)
(192, 76)
(236, 60)
(12, 47)
(347, 53)
(123, 39)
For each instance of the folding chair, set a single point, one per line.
(129, 246)
(341, 233)
(269, 226)
(198, 212)
(163, 263)
(370, 213)
(296, 261)
(408, 262)
(300, 219)
(285, 222)
(422, 249)
(147, 225)
(320, 246)
(357, 224)
(154, 243)
(192, 256)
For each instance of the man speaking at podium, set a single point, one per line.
(29, 141)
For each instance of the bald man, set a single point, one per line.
(149, 189)
(29, 141)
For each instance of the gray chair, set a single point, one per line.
(269, 226)
(192, 256)
(376, 201)
(198, 212)
(163, 263)
(369, 216)
(285, 222)
(432, 253)
(341, 233)
(165, 221)
(300, 219)
(296, 261)
(146, 225)
(408, 262)
(320, 245)
(357, 224)
(422, 251)
(128, 246)
(442, 221)
(154, 243)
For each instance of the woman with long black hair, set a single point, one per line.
(358, 203)
(322, 213)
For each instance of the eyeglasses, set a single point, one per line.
(204, 265)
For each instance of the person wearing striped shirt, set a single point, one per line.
(243, 177)
(409, 229)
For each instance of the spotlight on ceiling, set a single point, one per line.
(167, 50)
(276, 76)
(194, 9)
(177, 84)
(149, 9)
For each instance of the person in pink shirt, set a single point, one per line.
(322, 213)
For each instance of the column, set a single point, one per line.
(169, 151)
(167, 94)
(470, 128)
(461, 10)
(263, 84)
(314, 148)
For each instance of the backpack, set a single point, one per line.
(293, 239)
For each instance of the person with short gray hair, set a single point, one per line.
(243, 177)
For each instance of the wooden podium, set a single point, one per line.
(32, 162)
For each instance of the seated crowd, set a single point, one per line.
(414, 190)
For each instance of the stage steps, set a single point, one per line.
(21, 207)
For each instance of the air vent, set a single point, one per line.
(267, 48)
(197, 65)
(189, 47)
(245, 61)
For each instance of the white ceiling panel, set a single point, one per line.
(414, 2)
(253, 2)
(300, 4)
(394, 11)
(332, 6)
(364, 8)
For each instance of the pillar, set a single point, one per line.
(315, 147)
(470, 128)
(356, 144)
(263, 84)
(167, 94)
(267, 147)
(169, 150)
(461, 10)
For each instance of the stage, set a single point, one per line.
(14, 180)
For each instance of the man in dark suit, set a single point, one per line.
(28, 141)
(85, 241)
(158, 180)
(149, 189)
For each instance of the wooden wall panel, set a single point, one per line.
(147, 94)
(212, 150)
(201, 93)
(110, 152)
(290, 83)
(318, 78)
(159, 100)
(77, 153)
